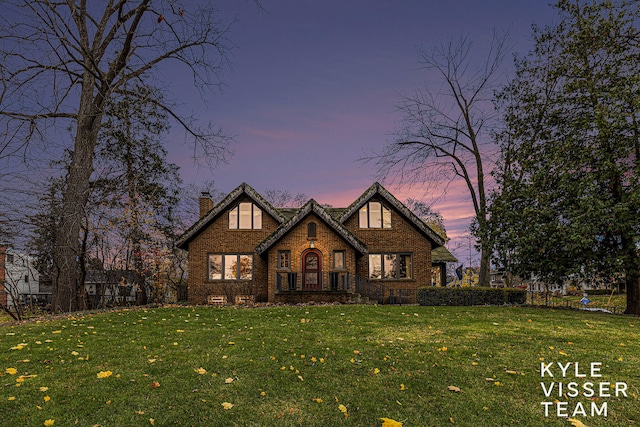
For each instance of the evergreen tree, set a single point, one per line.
(569, 198)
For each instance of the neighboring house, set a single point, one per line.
(110, 287)
(20, 280)
(244, 249)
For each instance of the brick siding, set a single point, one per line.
(216, 237)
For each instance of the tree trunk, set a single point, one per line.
(484, 278)
(66, 272)
(633, 296)
(68, 289)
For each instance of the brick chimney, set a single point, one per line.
(206, 204)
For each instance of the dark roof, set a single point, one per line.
(311, 207)
(242, 190)
(289, 217)
(110, 276)
(378, 190)
(442, 254)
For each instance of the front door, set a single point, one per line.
(312, 271)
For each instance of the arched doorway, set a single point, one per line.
(311, 270)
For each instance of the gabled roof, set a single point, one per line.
(312, 207)
(378, 190)
(242, 190)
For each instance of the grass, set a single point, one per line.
(294, 366)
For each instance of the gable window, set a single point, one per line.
(284, 260)
(311, 230)
(230, 267)
(374, 215)
(339, 260)
(391, 266)
(245, 216)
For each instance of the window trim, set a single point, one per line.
(223, 255)
(344, 260)
(279, 266)
(254, 212)
(397, 277)
(385, 212)
(312, 231)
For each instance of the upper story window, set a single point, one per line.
(245, 216)
(311, 230)
(375, 215)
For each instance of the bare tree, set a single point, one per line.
(445, 133)
(61, 63)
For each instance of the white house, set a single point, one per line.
(21, 279)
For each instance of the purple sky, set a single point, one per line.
(314, 85)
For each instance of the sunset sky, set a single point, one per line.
(314, 87)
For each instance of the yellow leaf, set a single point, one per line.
(318, 400)
(104, 374)
(228, 381)
(12, 398)
(388, 422)
(342, 408)
(47, 398)
(152, 421)
(227, 405)
(511, 372)
(11, 371)
(454, 388)
(376, 371)
(49, 422)
(402, 387)
(576, 423)
(155, 384)
(201, 371)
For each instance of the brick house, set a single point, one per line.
(244, 249)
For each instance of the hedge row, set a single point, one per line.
(471, 296)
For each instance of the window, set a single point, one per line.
(284, 260)
(245, 216)
(374, 215)
(26, 278)
(9, 258)
(339, 260)
(391, 266)
(311, 230)
(230, 267)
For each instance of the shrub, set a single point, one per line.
(471, 296)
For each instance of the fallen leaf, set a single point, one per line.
(576, 423)
(454, 388)
(388, 422)
(155, 384)
(227, 405)
(228, 381)
(104, 374)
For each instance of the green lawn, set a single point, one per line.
(296, 366)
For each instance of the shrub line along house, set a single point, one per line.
(246, 250)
